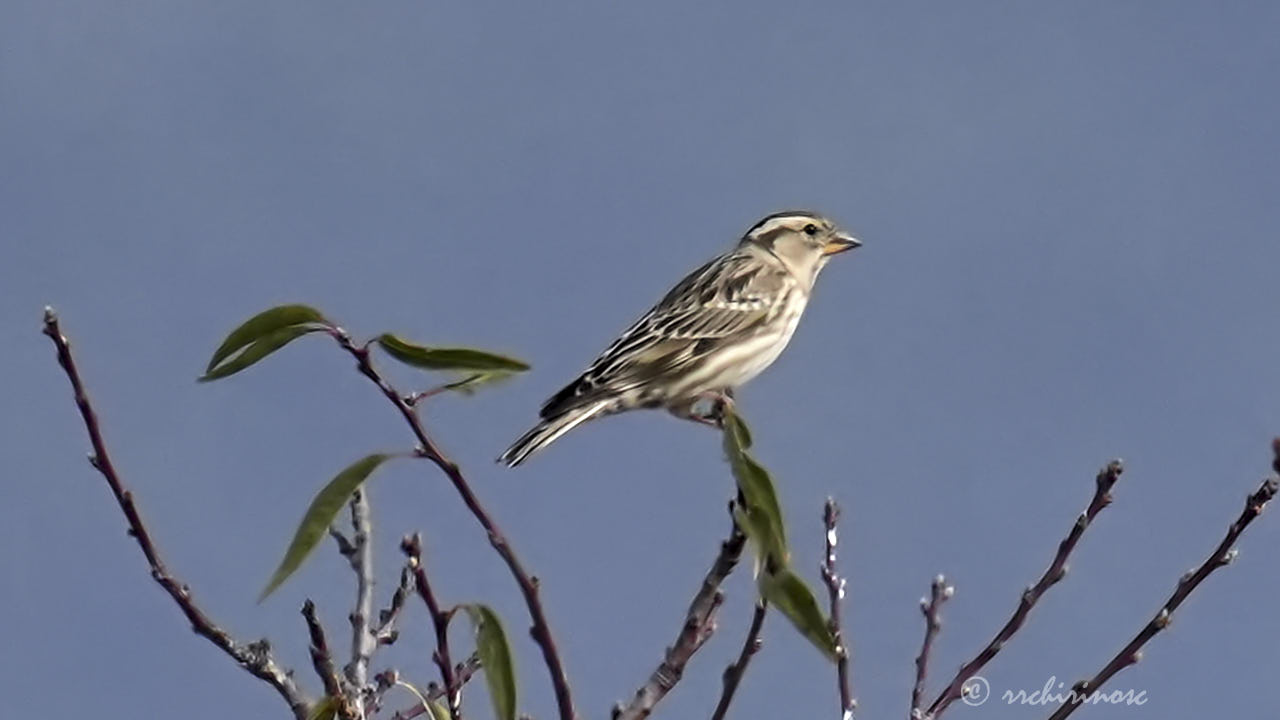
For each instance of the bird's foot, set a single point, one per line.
(707, 408)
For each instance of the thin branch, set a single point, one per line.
(699, 625)
(256, 657)
(382, 684)
(385, 631)
(413, 399)
(931, 608)
(835, 593)
(1057, 569)
(363, 642)
(733, 674)
(541, 630)
(346, 548)
(464, 672)
(1222, 555)
(412, 548)
(322, 661)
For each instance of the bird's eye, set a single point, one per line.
(810, 229)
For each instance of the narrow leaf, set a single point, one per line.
(264, 323)
(259, 349)
(761, 515)
(320, 515)
(495, 660)
(736, 425)
(460, 359)
(789, 593)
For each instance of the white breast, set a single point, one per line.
(737, 363)
(751, 358)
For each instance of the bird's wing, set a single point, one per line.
(726, 298)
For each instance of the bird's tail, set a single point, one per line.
(548, 431)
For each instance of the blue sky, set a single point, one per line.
(1070, 230)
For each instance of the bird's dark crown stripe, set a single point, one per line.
(787, 213)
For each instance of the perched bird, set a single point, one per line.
(718, 328)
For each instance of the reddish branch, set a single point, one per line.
(699, 625)
(1222, 555)
(931, 607)
(541, 630)
(835, 593)
(733, 674)
(1057, 569)
(412, 548)
(254, 657)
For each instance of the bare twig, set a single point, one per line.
(835, 593)
(320, 655)
(412, 548)
(322, 661)
(382, 684)
(733, 674)
(464, 672)
(1275, 450)
(363, 642)
(699, 624)
(346, 548)
(541, 630)
(931, 608)
(1222, 555)
(1057, 569)
(385, 631)
(256, 657)
(413, 399)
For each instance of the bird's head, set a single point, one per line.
(803, 241)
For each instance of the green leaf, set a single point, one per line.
(789, 593)
(325, 709)
(760, 515)
(495, 660)
(736, 425)
(261, 325)
(259, 349)
(320, 515)
(458, 359)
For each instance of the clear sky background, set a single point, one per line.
(1070, 220)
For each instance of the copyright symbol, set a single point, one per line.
(975, 691)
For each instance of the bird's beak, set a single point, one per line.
(840, 243)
